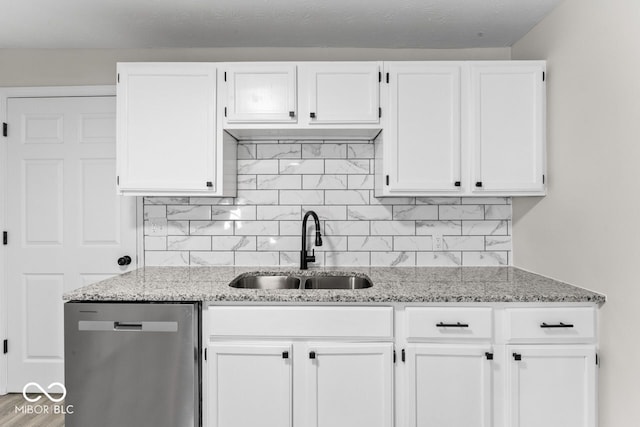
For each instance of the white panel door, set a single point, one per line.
(552, 386)
(507, 127)
(422, 138)
(166, 127)
(67, 227)
(350, 385)
(261, 93)
(249, 385)
(343, 92)
(449, 385)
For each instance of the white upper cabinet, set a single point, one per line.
(301, 100)
(341, 92)
(440, 128)
(507, 127)
(261, 93)
(167, 141)
(462, 129)
(422, 128)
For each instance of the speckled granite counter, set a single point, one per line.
(395, 284)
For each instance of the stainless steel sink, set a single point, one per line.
(337, 282)
(266, 282)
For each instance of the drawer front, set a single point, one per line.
(340, 322)
(551, 324)
(442, 323)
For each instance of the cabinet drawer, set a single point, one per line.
(551, 324)
(346, 322)
(442, 323)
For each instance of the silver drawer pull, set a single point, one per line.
(555, 325)
(452, 325)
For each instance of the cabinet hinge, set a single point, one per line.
(285, 354)
(225, 111)
(379, 76)
(205, 354)
(5, 129)
(544, 76)
(5, 346)
(517, 356)
(225, 76)
(488, 355)
(387, 179)
(403, 355)
(5, 237)
(387, 77)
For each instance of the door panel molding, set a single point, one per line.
(34, 92)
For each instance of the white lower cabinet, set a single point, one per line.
(552, 385)
(350, 384)
(449, 385)
(341, 384)
(302, 366)
(476, 365)
(250, 384)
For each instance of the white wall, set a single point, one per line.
(56, 67)
(587, 230)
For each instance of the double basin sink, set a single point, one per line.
(346, 281)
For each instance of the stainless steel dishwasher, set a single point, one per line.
(132, 365)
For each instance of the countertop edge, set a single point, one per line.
(391, 285)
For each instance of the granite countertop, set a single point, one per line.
(390, 284)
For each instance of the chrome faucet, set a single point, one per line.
(304, 258)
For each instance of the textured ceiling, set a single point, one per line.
(268, 23)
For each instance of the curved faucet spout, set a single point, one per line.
(304, 258)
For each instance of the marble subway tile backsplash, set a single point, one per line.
(279, 182)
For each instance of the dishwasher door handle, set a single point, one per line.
(127, 326)
(142, 326)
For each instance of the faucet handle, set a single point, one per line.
(312, 257)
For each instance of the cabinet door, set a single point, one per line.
(350, 385)
(449, 385)
(508, 128)
(552, 386)
(249, 385)
(261, 93)
(166, 127)
(343, 92)
(422, 132)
